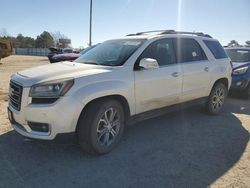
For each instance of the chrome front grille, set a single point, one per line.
(15, 95)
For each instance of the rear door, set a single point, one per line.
(195, 67)
(156, 88)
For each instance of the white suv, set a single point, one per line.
(120, 80)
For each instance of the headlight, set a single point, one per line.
(241, 70)
(51, 89)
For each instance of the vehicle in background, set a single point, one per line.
(5, 48)
(64, 57)
(70, 56)
(130, 78)
(67, 50)
(55, 51)
(240, 57)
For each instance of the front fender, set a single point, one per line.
(107, 88)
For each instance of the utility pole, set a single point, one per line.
(90, 24)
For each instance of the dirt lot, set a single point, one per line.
(181, 149)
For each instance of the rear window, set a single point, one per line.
(216, 49)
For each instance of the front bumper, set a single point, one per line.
(60, 116)
(240, 82)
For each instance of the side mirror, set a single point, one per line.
(148, 63)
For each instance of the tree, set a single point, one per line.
(56, 37)
(45, 40)
(29, 42)
(233, 43)
(18, 42)
(22, 42)
(248, 43)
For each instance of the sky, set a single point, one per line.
(225, 20)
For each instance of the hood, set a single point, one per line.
(57, 71)
(240, 64)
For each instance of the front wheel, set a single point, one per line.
(101, 126)
(216, 99)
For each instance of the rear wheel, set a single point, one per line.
(216, 98)
(101, 126)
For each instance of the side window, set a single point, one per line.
(162, 50)
(188, 50)
(216, 49)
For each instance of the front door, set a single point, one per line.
(156, 88)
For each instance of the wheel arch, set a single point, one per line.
(116, 97)
(223, 81)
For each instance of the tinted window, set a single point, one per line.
(162, 50)
(239, 55)
(216, 49)
(188, 50)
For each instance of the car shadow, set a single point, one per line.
(181, 149)
(237, 105)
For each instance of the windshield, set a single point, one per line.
(87, 49)
(239, 55)
(110, 53)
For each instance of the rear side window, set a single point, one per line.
(216, 49)
(188, 50)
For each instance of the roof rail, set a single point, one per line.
(164, 32)
(146, 32)
(154, 31)
(184, 32)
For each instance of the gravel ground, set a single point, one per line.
(180, 149)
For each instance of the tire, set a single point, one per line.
(98, 131)
(216, 99)
(51, 61)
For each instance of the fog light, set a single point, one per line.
(39, 127)
(238, 83)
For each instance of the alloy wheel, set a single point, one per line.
(108, 127)
(218, 99)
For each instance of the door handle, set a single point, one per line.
(176, 74)
(206, 69)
